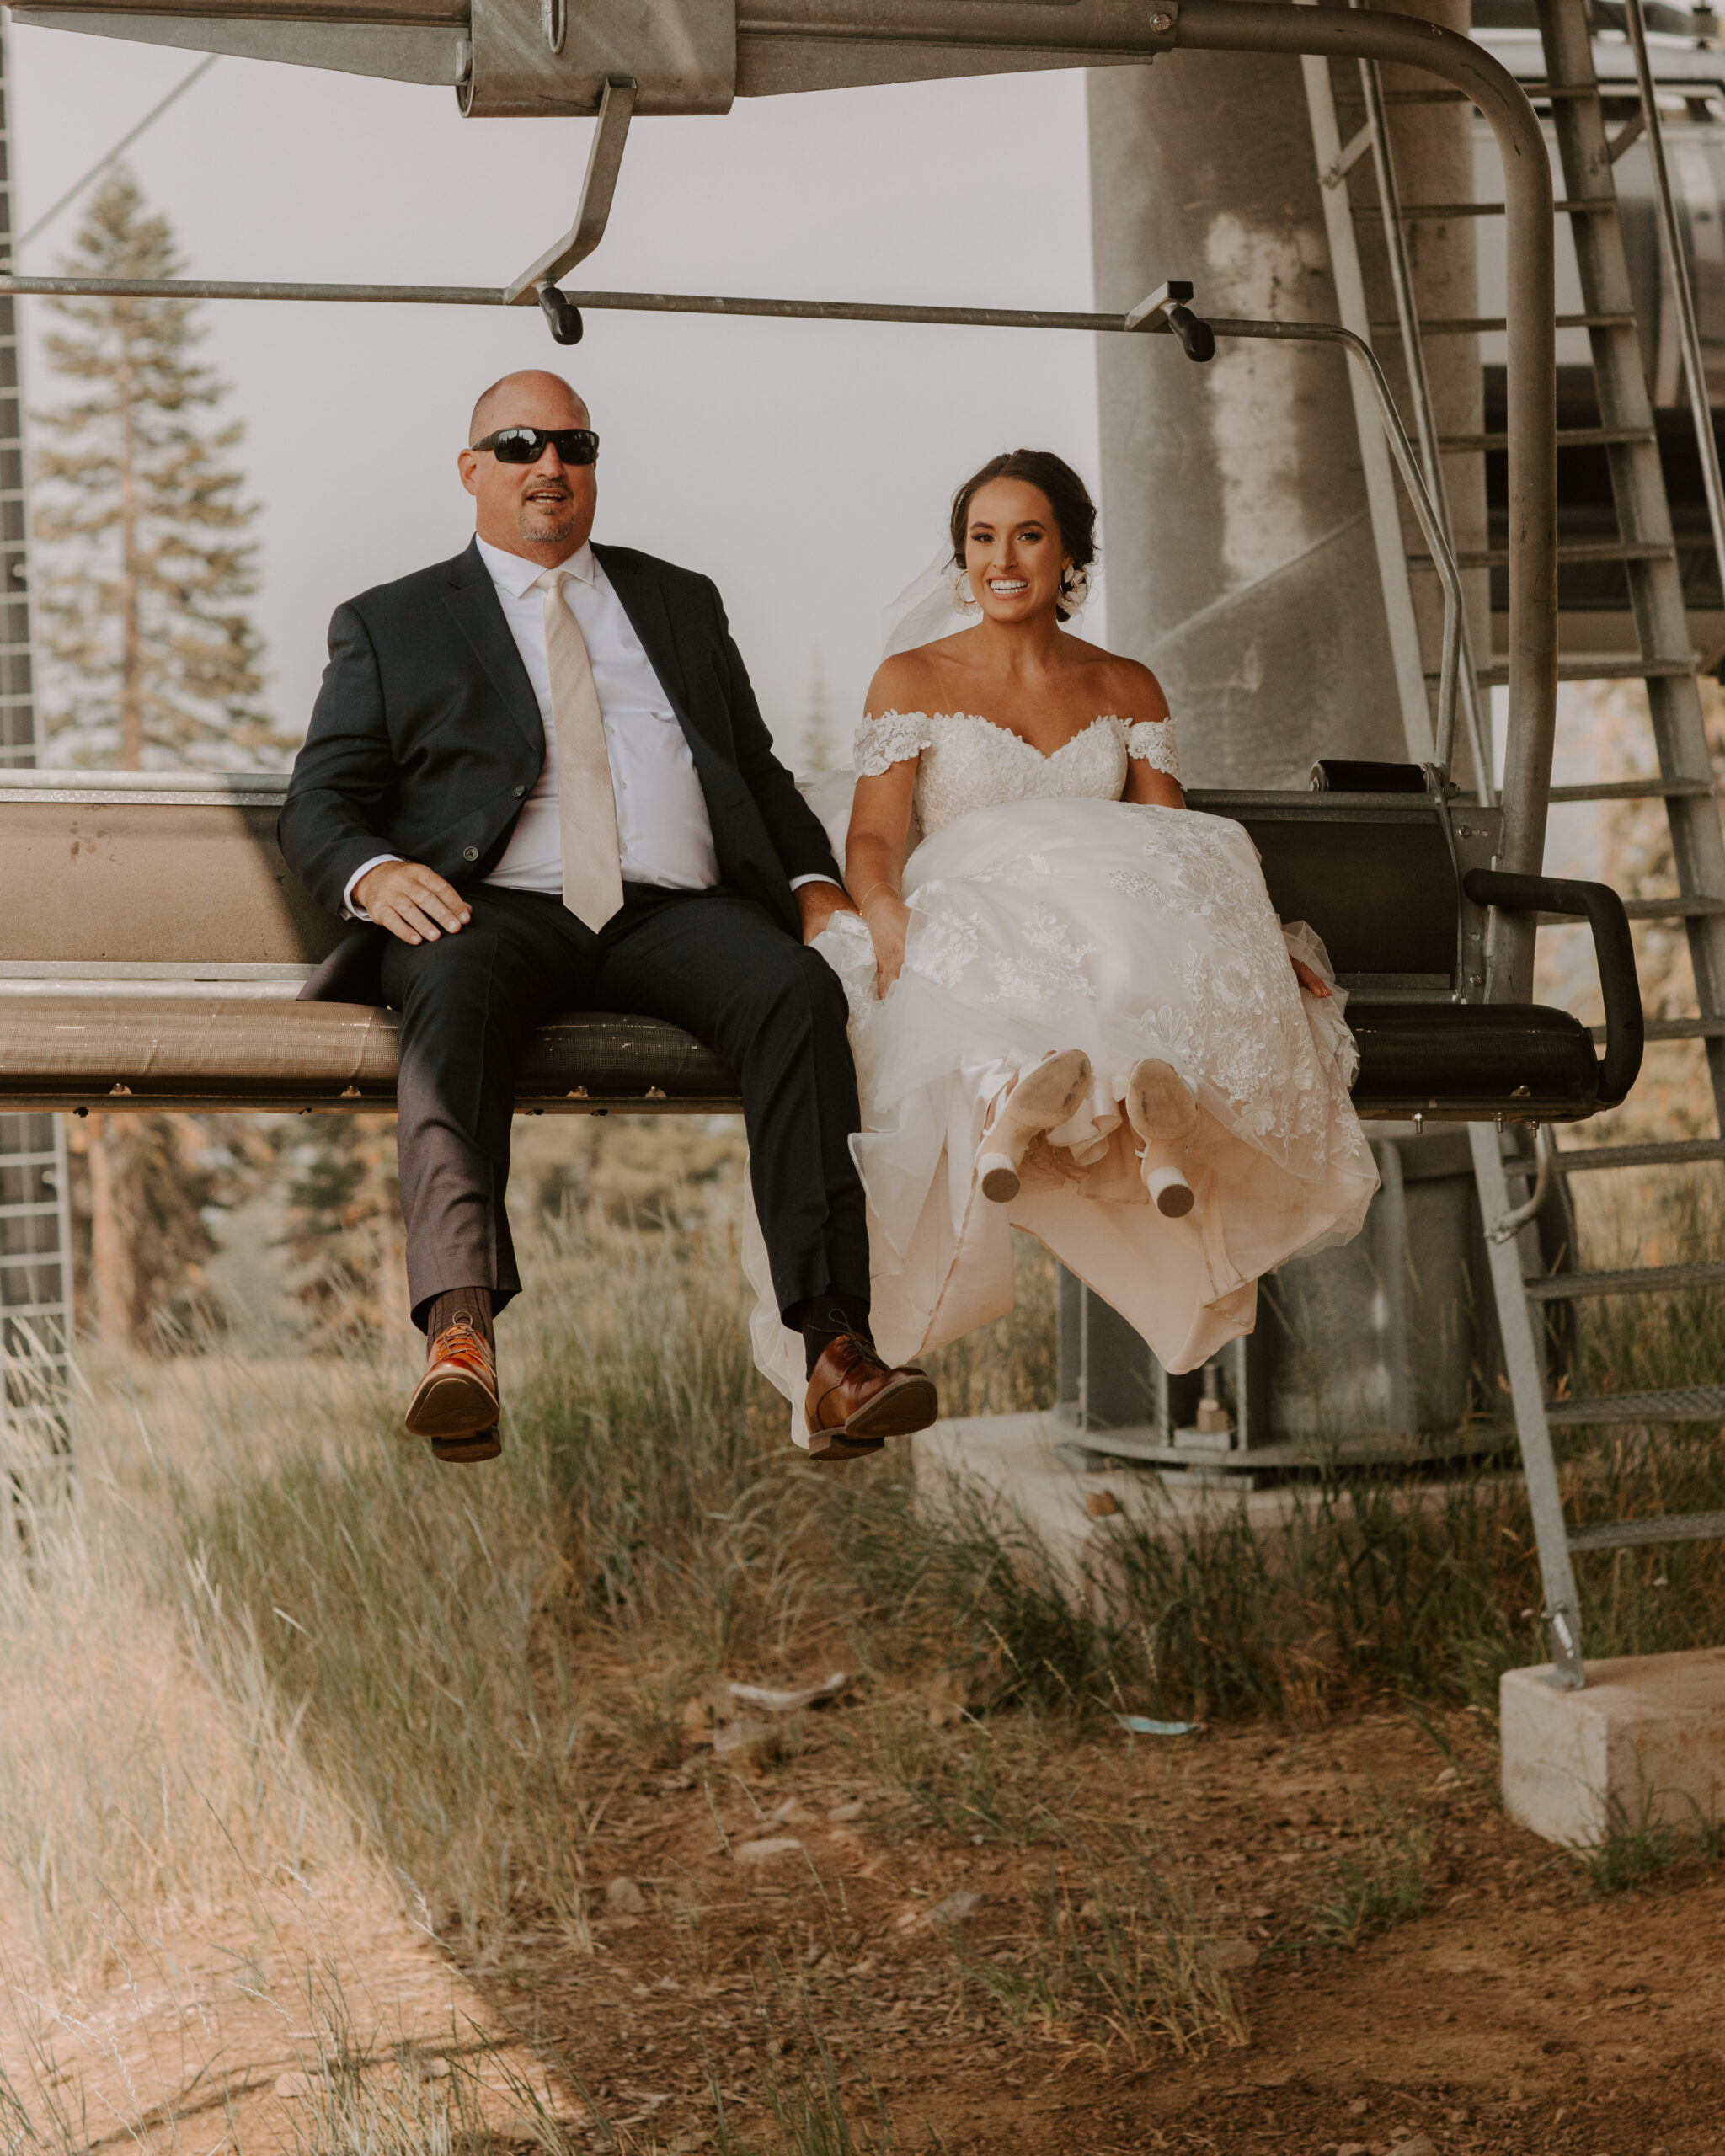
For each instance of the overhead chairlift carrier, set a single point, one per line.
(152, 939)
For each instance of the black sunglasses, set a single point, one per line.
(527, 445)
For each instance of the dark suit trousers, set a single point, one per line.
(711, 962)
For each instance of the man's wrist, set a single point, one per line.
(349, 904)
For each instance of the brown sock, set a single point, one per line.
(826, 1318)
(472, 1305)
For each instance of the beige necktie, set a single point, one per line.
(586, 805)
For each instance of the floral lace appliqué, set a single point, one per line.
(894, 738)
(1152, 741)
(969, 762)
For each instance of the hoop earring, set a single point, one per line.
(965, 598)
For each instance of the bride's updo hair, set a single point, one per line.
(1068, 497)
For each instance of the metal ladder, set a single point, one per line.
(35, 1240)
(1666, 665)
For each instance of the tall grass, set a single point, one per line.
(437, 1665)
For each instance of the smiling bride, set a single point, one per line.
(1073, 1008)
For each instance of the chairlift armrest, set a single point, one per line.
(1613, 953)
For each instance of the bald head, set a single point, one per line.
(534, 397)
(544, 510)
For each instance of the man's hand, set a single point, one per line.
(817, 903)
(411, 901)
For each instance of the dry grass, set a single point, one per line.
(261, 1637)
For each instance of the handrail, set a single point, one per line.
(1682, 284)
(1614, 952)
(1345, 33)
(1419, 391)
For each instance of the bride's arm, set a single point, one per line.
(888, 751)
(1152, 788)
(874, 862)
(1153, 766)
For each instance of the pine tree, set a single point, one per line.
(342, 1225)
(140, 527)
(142, 1188)
(142, 561)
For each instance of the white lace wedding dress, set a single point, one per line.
(1048, 914)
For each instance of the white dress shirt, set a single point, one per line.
(664, 835)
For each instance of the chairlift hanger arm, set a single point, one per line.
(617, 107)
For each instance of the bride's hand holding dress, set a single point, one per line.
(1071, 1003)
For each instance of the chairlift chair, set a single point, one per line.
(151, 938)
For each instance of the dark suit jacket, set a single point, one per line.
(426, 739)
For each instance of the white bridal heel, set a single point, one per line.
(1042, 1100)
(1164, 1115)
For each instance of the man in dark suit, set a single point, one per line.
(537, 774)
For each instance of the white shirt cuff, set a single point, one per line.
(798, 882)
(364, 868)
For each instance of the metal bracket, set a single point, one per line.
(617, 106)
(1545, 1153)
(1334, 174)
(1169, 299)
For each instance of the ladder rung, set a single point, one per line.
(1578, 553)
(1596, 669)
(1468, 325)
(1435, 212)
(1680, 906)
(1567, 438)
(1347, 95)
(1633, 1280)
(1657, 1153)
(1634, 789)
(1701, 1403)
(1676, 1029)
(1692, 907)
(1643, 1534)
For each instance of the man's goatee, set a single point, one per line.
(537, 534)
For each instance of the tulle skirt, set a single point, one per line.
(1128, 931)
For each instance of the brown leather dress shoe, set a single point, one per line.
(856, 1402)
(455, 1403)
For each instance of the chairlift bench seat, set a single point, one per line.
(152, 942)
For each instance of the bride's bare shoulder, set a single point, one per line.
(1130, 691)
(908, 680)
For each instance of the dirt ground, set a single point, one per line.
(1514, 2011)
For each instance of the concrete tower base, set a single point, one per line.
(1644, 1741)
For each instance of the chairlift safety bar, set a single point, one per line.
(1137, 324)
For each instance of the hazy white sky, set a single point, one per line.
(807, 467)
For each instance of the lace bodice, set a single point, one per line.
(970, 763)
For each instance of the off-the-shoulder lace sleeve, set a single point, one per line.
(892, 739)
(1151, 740)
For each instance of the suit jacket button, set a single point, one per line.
(470, 853)
(519, 791)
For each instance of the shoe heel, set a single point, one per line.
(1041, 1101)
(1164, 1116)
(1000, 1178)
